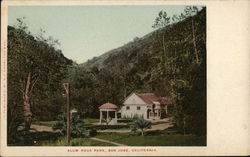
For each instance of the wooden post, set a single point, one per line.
(67, 89)
(107, 116)
(100, 117)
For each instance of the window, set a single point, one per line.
(127, 107)
(138, 107)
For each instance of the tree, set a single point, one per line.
(162, 21)
(190, 11)
(185, 60)
(141, 124)
(36, 67)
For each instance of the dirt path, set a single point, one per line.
(41, 128)
(106, 141)
(160, 127)
(115, 130)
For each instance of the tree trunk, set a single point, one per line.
(165, 54)
(194, 42)
(125, 92)
(124, 86)
(26, 104)
(142, 132)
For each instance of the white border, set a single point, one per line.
(228, 29)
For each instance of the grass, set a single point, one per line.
(155, 138)
(53, 139)
(74, 142)
(167, 137)
(45, 123)
(90, 120)
(87, 121)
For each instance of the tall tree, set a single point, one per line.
(38, 66)
(162, 21)
(190, 11)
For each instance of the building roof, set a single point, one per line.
(164, 100)
(151, 98)
(108, 106)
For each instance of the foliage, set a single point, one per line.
(77, 128)
(141, 124)
(162, 20)
(35, 71)
(104, 127)
(125, 120)
(14, 120)
(174, 67)
(32, 138)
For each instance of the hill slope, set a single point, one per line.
(169, 62)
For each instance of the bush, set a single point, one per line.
(77, 128)
(103, 127)
(125, 120)
(141, 124)
(92, 132)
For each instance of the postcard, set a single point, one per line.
(124, 78)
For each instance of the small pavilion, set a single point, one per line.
(109, 111)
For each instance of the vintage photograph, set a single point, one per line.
(107, 75)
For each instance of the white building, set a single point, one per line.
(108, 113)
(144, 105)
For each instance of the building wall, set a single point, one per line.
(133, 111)
(133, 101)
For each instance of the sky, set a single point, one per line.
(88, 31)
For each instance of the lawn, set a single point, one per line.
(154, 138)
(74, 142)
(90, 120)
(87, 122)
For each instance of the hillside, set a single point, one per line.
(146, 42)
(99, 60)
(169, 62)
(140, 64)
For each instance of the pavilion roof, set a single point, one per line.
(108, 106)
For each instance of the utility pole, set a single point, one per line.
(67, 90)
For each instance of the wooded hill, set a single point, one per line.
(170, 62)
(168, 68)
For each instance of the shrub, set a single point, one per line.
(77, 128)
(103, 127)
(141, 124)
(125, 120)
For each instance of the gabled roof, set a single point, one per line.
(151, 98)
(108, 106)
(164, 100)
(148, 98)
